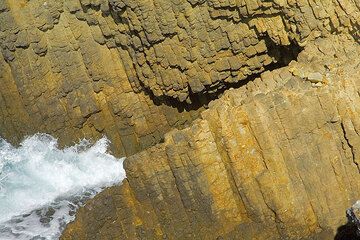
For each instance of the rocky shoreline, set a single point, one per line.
(239, 119)
(273, 159)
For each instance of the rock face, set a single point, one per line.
(86, 68)
(275, 158)
(56, 78)
(179, 47)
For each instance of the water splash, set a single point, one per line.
(41, 186)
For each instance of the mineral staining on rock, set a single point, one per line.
(274, 158)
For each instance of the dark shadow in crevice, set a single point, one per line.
(282, 55)
(347, 232)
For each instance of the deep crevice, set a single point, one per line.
(282, 56)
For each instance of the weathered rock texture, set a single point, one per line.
(275, 158)
(194, 46)
(56, 78)
(71, 68)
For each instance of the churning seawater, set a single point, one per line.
(41, 186)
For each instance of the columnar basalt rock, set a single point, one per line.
(89, 68)
(183, 47)
(275, 159)
(56, 78)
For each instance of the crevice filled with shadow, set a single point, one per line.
(283, 55)
(348, 231)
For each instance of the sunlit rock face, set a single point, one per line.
(57, 78)
(90, 68)
(275, 158)
(184, 47)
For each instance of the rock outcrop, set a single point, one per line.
(183, 47)
(82, 68)
(56, 78)
(277, 157)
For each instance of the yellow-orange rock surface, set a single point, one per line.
(275, 156)
(275, 159)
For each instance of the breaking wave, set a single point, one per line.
(41, 186)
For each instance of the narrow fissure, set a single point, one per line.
(350, 146)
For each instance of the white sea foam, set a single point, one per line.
(41, 185)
